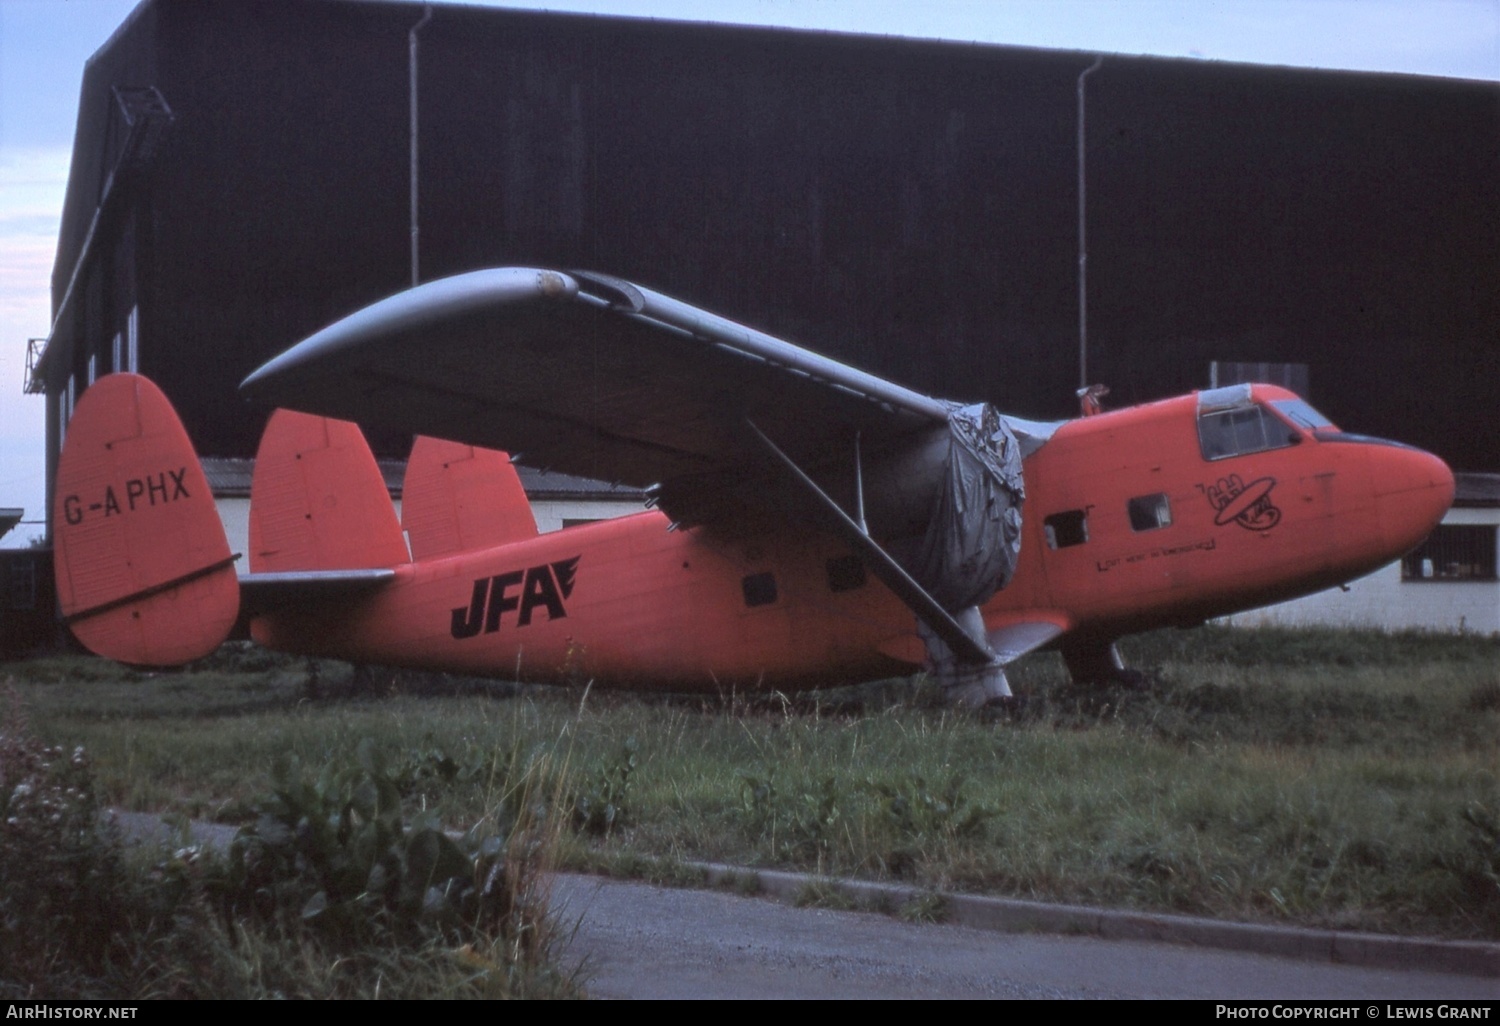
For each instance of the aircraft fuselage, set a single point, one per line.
(1163, 514)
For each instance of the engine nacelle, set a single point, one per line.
(948, 507)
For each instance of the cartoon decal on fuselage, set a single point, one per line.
(1248, 505)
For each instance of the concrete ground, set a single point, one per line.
(637, 940)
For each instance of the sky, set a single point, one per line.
(45, 43)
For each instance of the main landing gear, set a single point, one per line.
(1100, 663)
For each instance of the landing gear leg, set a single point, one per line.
(1100, 664)
(974, 687)
(965, 685)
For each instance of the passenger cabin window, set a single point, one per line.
(1148, 512)
(1453, 552)
(1242, 431)
(1070, 527)
(760, 589)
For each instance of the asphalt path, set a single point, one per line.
(636, 940)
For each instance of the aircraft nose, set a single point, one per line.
(1413, 489)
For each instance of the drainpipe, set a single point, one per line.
(1083, 253)
(411, 39)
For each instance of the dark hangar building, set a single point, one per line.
(243, 174)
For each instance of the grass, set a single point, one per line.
(337, 889)
(1319, 778)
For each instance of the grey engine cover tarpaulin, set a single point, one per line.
(973, 538)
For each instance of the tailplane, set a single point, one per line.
(318, 501)
(144, 573)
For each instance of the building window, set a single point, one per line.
(133, 340)
(760, 589)
(1070, 527)
(846, 573)
(65, 410)
(1148, 512)
(1453, 552)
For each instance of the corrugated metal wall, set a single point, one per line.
(908, 207)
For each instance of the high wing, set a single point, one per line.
(592, 375)
(585, 374)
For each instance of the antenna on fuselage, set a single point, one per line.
(1089, 399)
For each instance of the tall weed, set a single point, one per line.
(332, 892)
(64, 890)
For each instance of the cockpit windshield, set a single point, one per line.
(1238, 432)
(1231, 422)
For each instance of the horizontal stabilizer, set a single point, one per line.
(271, 592)
(457, 498)
(144, 573)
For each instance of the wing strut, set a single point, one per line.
(964, 646)
(859, 488)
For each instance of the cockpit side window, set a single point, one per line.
(1240, 431)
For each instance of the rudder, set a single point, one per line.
(143, 569)
(457, 498)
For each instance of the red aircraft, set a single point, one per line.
(814, 524)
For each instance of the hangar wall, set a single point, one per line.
(905, 206)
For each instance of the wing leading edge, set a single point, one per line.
(584, 374)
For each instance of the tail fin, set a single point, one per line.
(458, 497)
(143, 569)
(317, 500)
